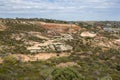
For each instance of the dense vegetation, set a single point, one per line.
(89, 68)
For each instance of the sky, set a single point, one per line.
(71, 10)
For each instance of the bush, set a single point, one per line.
(9, 59)
(66, 74)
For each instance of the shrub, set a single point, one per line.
(9, 59)
(66, 74)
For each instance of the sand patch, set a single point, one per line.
(39, 56)
(1, 60)
(67, 64)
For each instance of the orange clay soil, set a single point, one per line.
(59, 28)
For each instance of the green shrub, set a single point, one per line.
(66, 74)
(9, 59)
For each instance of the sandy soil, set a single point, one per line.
(36, 57)
(39, 56)
(2, 28)
(67, 64)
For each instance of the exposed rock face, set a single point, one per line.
(117, 41)
(49, 46)
(64, 37)
(110, 44)
(55, 28)
(62, 47)
(88, 34)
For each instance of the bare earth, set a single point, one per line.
(67, 64)
(59, 28)
(36, 57)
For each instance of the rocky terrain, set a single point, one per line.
(85, 48)
(31, 36)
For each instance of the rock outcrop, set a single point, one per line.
(88, 34)
(49, 46)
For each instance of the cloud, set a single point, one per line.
(19, 5)
(59, 7)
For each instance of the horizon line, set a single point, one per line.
(52, 19)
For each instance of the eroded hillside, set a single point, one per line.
(91, 49)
